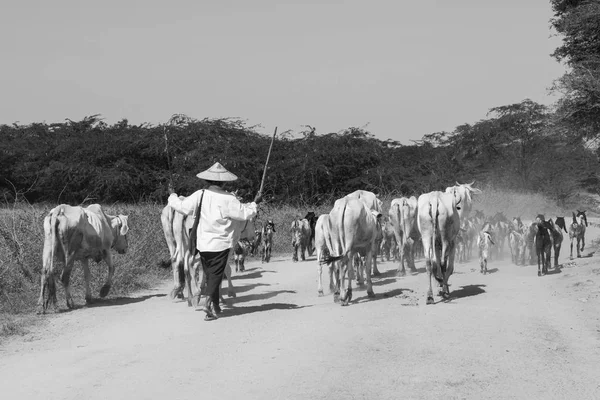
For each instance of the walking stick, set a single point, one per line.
(262, 182)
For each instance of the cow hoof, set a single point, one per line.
(376, 273)
(430, 300)
(231, 294)
(401, 273)
(104, 291)
(174, 294)
(336, 297)
(539, 273)
(89, 300)
(321, 294)
(370, 294)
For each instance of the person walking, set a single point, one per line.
(221, 214)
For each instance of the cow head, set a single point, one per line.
(581, 218)
(121, 229)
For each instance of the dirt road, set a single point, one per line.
(506, 335)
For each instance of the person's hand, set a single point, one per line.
(258, 198)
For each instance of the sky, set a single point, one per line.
(399, 69)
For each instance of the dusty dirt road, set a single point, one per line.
(506, 335)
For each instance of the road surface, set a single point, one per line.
(506, 335)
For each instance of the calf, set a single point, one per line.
(301, 233)
(484, 241)
(515, 244)
(577, 231)
(267, 241)
(389, 247)
(240, 251)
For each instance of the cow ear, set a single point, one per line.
(124, 226)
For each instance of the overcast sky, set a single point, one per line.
(401, 68)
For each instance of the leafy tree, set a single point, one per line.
(578, 21)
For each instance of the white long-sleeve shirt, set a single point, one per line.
(222, 216)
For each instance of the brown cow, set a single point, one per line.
(77, 233)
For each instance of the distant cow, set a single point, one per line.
(77, 233)
(438, 222)
(240, 250)
(267, 240)
(484, 242)
(301, 233)
(352, 229)
(311, 217)
(543, 244)
(255, 244)
(403, 216)
(388, 247)
(516, 244)
(557, 237)
(577, 231)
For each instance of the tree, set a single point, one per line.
(578, 21)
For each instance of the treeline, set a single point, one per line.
(520, 146)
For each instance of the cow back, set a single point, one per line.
(352, 227)
(369, 199)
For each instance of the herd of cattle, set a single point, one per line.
(438, 225)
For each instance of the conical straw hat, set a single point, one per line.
(217, 173)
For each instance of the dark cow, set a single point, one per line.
(78, 234)
(542, 244)
(311, 217)
(438, 222)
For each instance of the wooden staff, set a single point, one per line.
(262, 182)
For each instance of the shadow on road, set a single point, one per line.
(235, 311)
(117, 301)
(553, 271)
(245, 288)
(492, 270)
(261, 296)
(252, 275)
(384, 295)
(381, 282)
(466, 291)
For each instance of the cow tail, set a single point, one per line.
(330, 258)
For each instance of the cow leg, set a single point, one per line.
(402, 252)
(295, 253)
(368, 258)
(346, 286)
(556, 254)
(303, 251)
(582, 241)
(375, 270)
(48, 290)
(65, 278)
(86, 275)
(320, 279)
(335, 273)
(230, 289)
(111, 271)
(429, 265)
(188, 272)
